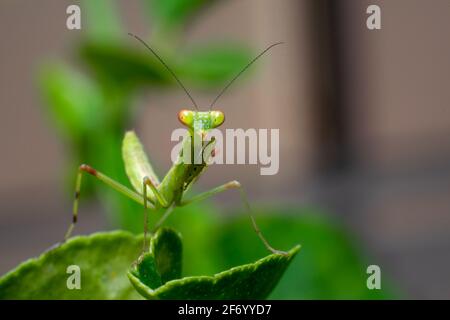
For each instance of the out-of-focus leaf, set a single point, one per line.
(102, 20)
(214, 65)
(74, 102)
(170, 13)
(124, 65)
(251, 281)
(103, 259)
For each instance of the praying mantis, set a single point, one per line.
(169, 193)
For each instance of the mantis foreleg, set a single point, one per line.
(107, 180)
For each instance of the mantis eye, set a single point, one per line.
(186, 117)
(217, 118)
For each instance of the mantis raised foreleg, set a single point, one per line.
(108, 181)
(234, 185)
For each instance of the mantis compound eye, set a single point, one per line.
(186, 117)
(217, 118)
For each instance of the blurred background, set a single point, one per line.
(364, 127)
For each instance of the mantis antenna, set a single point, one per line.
(165, 65)
(242, 71)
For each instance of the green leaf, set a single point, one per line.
(166, 247)
(103, 258)
(74, 102)
(163, 261)
(213, 65)
(147, 271)
(103, 20)
(124, 65)
(250, 281)
(170, 13)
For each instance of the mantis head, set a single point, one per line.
(201, 121)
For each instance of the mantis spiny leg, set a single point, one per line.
(108, 181)
(235, 185)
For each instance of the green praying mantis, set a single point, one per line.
(169, 193)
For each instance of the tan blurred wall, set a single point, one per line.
(398, 100)
(30, 153)
(401, 74)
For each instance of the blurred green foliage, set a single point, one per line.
(173, 13)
